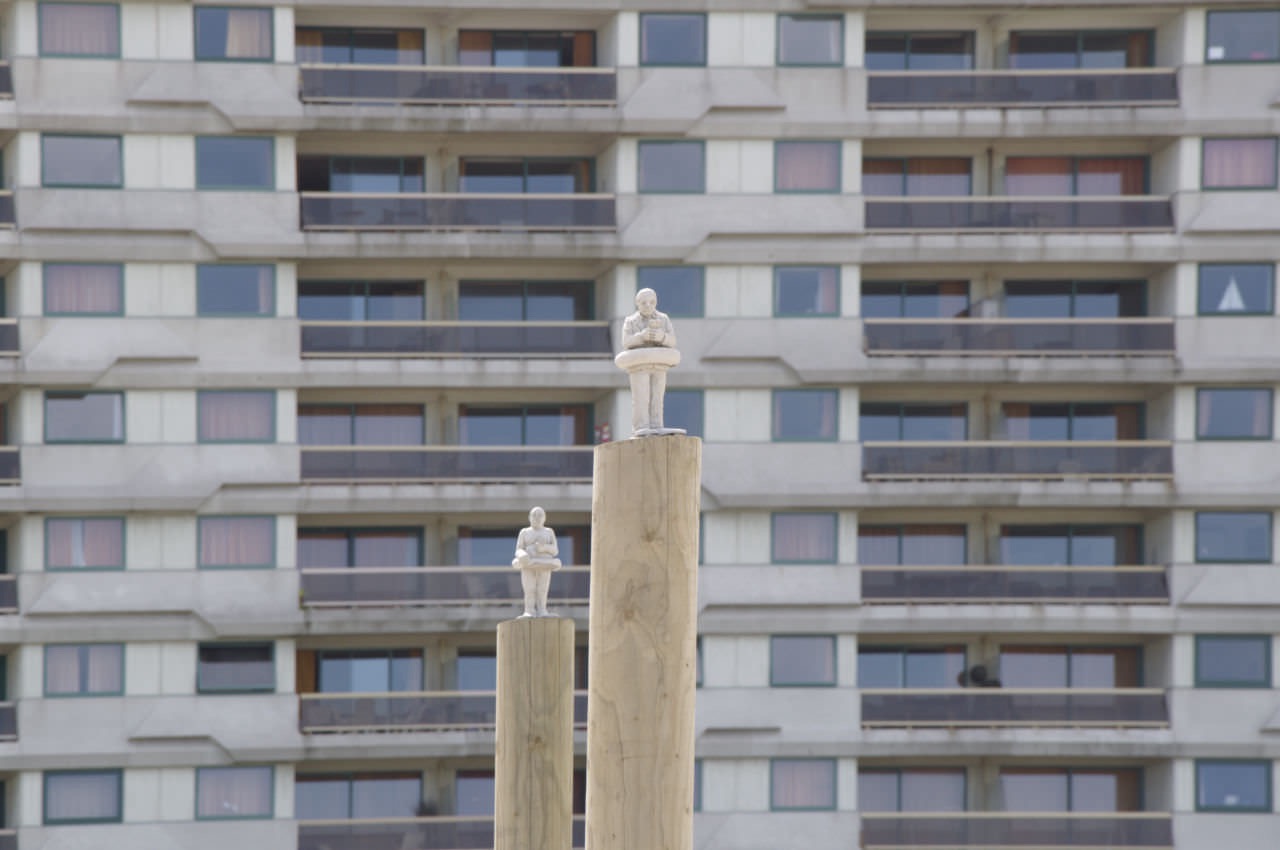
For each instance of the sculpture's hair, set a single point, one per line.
(646, 292)
(537, 509)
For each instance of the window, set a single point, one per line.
(892, 422)
(1074, 299)
(342, 46)
(928, 177)
(235, 162)
(684, 409)
(368, 671)
(802, 784)
(1072, 175)
(236, 290)
(237, 542)
(1049, 789)
(359, 547)
(237, 416)
(477, 670)
(697, 785)
(914, 299)
(1243, 36)
(526, 176)
(806, 167)
(540, 425)
(78, 543)
(1073, 421)
(360, 424)
(910, 667)
(811, 40)
(1236, 289)
(804, 415)
(1074, 545)
(680, 289)
(525, 301)
(86, 162)
(473, 793)
(1089, 49)
(227, 793)
(1233, 786)
(360, 301)
(804, 538)
(1239, 538)
(1071, 667)
(1233, 414)
(71, 417)
(919, 51)
(806, 291)
(487, 547)
(912, 545)
(802, 660)
(533, 49)
(371, 796)
(1233, 661)
(1239, 164)
(236, 668)
(239, 34)
(672, 39)
(391, 174)
(917, 789)
(82, 796)
(80, 29)
(84, 670)
(672, 167)
(83, 289)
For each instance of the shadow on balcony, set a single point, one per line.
(406, 85)
(368, 464)
(1019, 337)
(1008, 707)
(407, 711)
(1116, 213)
(448, 339)
(574, 212)
(1015, 88)
(427, 833)
(949, 830)
(1122, 460)
(996, 584)
(382, 587)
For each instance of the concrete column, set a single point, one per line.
(642, 664)
(533, 754)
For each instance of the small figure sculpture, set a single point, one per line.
(536, 552)
(649, 350)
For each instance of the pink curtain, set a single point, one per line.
(80, 29)
(233, 792)
(76, 288)
(1117, 175)
(247, 416)
(1038, 175)
(804, 784)
(237, 541)
(804, 537)
(89, 543)
(248, 34)
(83, 669)
(82, 796)
(808, 167)
(1239, 163)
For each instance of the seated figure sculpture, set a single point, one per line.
(536, 552)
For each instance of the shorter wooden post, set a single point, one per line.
(533, 755)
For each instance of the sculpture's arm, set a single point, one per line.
(668, 341)
(633, 333)
(555, 548)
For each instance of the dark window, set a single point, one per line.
(1233, 414)
(487, 547)
(684, 409)
(1227, 537)
(802, 660)
(79, 543)
(1239, 164)
(804, 538)
(71, 417)
(94, 669)
(234, 793)
(526, 301)
(236, 290)
(697, 785)
(232, 668)
(341, 46)
(1074, 421)
(1074, 545)
(238, 34)
(673, 39)
(362, 796)
(359, 547)
(920, 51)
(916, 789)
(526, 176)
(1236, 289)
(477, 670)
(912, 545)
(82, 796)
(802, 784)
(95, 162)
(1233, 661)
(892, 422)
(567, 425)
(806, 291)
(921, 176)
(1070, 667)
(236, 416)
(680, 289)
(1074, 299)
(360, 424)
(1243, 36)
(1047, 789)
(80, 29)
(532, 49)
(360, 174)
(83, 289)
(237, 541)
(360, 301)
(672, 167)
(1088, 49)
(806, 167)
(368, 671)
(1069, 175)
(804, 415)
(915, 300)
(811, 40)
(1233, 786)
(473, 793)
(235, 162)
(910, 667)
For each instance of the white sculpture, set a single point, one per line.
(536, 552)
(648, 351)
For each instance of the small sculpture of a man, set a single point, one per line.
(648, 328)
(536, 552)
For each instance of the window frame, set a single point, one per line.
(589, 420)
(901, 527)
(46, 775)
(773, 537)
(1267, 775)
(275, 307)
(701, 144)
(838, 17)
(1270, 409)
(195, 34)
(640, 35)
(1275, 164)
(1071, 415)
(702, 409)
(897, 773)
(203, 689)
(779, 392)
(903, 407)
(835, 783)
(1070, 531)
(907, 35)
(820, 267)
(124, 419)
(774, 682)
(527, 286)
(1271, 290)
(109, 568)
(201, 439)
(238, 187)
(271, 796)
(40, 30)
(1209, 13)
(84, 694)
(200, 520)
(835, 144)
(1075, 161)
(1148, 32)
(351, 534)
(702, 287)
(902, 651)
(905, 173)
(44, 291)
(351, 32)
(1075, 285)
(1267, 557)
(1201, 682)
(46, 183)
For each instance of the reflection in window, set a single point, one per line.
(684, 409)
(534, 425)
(915, 299)
(237, 541)
(235, 162)
(804, 415)
(680, 289)
(360, 424)
(1070, 175)
(1233, 786)
(1243, 36)
(360, 301)
(77, 543)
(532, 49)
(672, 167)
(525, 176)
(1090, 49)
(1074, 299)
(233, 34)
(918, 176)
(1071, 667)
(805, 538)
(1073, 421)
(359, 547)
(912, 545)
(1233, 661)
(243, 668)
(525, 301)
(892, 422)
(1233, 414)
(235, 290)
(673, 39)
(920, 51)
(1036, 789)
(806, 290)
(1074, 545)
(81, 161)
(810, 39)
(364, 796)
(344, 46)
(368, 671)
(1229, 537)
(360, 174)
(71, 417)
(910, 667)
(802, 784)
(234, 792)
(802, 660)
(1239, 164)
(1237, 289)
(916, 789)
(806, 167)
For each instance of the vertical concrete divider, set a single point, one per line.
(533, 753)
(642, 660)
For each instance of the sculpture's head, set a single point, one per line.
(646, 302)
(537, 517)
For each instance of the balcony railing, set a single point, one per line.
(6, 93)
(8, 721)
(960, 89)
(446, 339)
(429, 833)
(345, 464)
(412, 85)
(574, 212)
(1124, 213)
(992, 584)
(407, 711)
(1124, 460)
(949, 830)
(1014, 337)
(8, 213)
(9, 338)
(952, 707)
(354, 587)
(8, 593)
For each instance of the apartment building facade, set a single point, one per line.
(306, 304)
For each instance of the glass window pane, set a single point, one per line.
(1121, 175)
(235, 290)
(83, 289)
(942, 300)
(672, 39)
(1239, 661)
(83, 669)
(933, 791)
(879, 546)
(236, 669)
(933, 668)
(1096, 421)
(387, 425)
(488, 547)
(490, 176)
(1241, 785)
(683, 409)
(672, 167)
(804, 414)
(1236, 289)
(886, 51)
(84, 418)
(1239, 164)
(1039, 175)
(321, 798)
(1233, 414)
(941, 51)
(933, 422)
(84, 543)
(1107, 49)
(1044, 50)
(806, 291)
(810, 40)
(878, 790)
(933, 545)
(473, 792)
(1036, 299)
(92, 161)
(802, 660)
(386, 797)
(79, 29)
(477, 671)
(1098, 668)
(233, 34)
(937, 177)
(490, 301)
(804, 538)
(879, 667)
(493, 427)
(879, 422)
(242, 416)
(82, 796)
(237, 541)
(1109, 299)
(1034, 791)
(807, 166)
(1233, 537)
(802, 784)
(884, 177)
(679, 288)
(1034, 546)
(1243, 36)
(228, 162)
(234, 792)
(558, 301)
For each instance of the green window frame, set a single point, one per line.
(1264, 768)
(1227, 300)
(69, 395)
(697, 785)
(206, 796)
(52, 818)
(204, 16)
(696, 425)
(700, 188)
(647, 277)
(205, 179)
(908, 38)
(205, 686)
(836, 62)
(86, 658)
(818, 678)
(903, 412)
(266, 283)
(898, 773)
(1205, 677)
(1148, 36)
(1266, 183)
(901, 532)
(1075, 290)
(1221, 15)
(824, 432)
(813, 525)
(214, 551)
(829, 183)
(697, 62)
(1201, 531)
(779, 804)
(530, 292)
(208, 421)
(44, 30)
(50, 306)
(901, 656)
(1261, 428)
(115, 181)
(80, 549)
(826, 304)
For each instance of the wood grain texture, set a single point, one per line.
(533, 753)
(642, 662)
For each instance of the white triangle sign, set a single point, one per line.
(1232, 301)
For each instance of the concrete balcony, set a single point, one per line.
(1121, 460)
(8, 721)
(8, 594)
(367, 587)
(429, 833)
(722, 830)
(1121, 585)
(451, 339)
(796, 715)
(1208, 829)
(254, 833)
(1020, 337)
(1232, 721)
(1117, 213)
(407, 711)
(778, 585)
(368, 464)
(1231, 585)
(572, 213)
(949, 830)
(1007, 707)
(406, 85)
(1022, 88)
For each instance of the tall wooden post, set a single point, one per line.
(642, 663)
(533, 754)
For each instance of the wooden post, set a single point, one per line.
(642, 664)
(533, 754)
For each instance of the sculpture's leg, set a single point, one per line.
(657, 394)
(544, 587)
(529, 583)
(639, 399)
